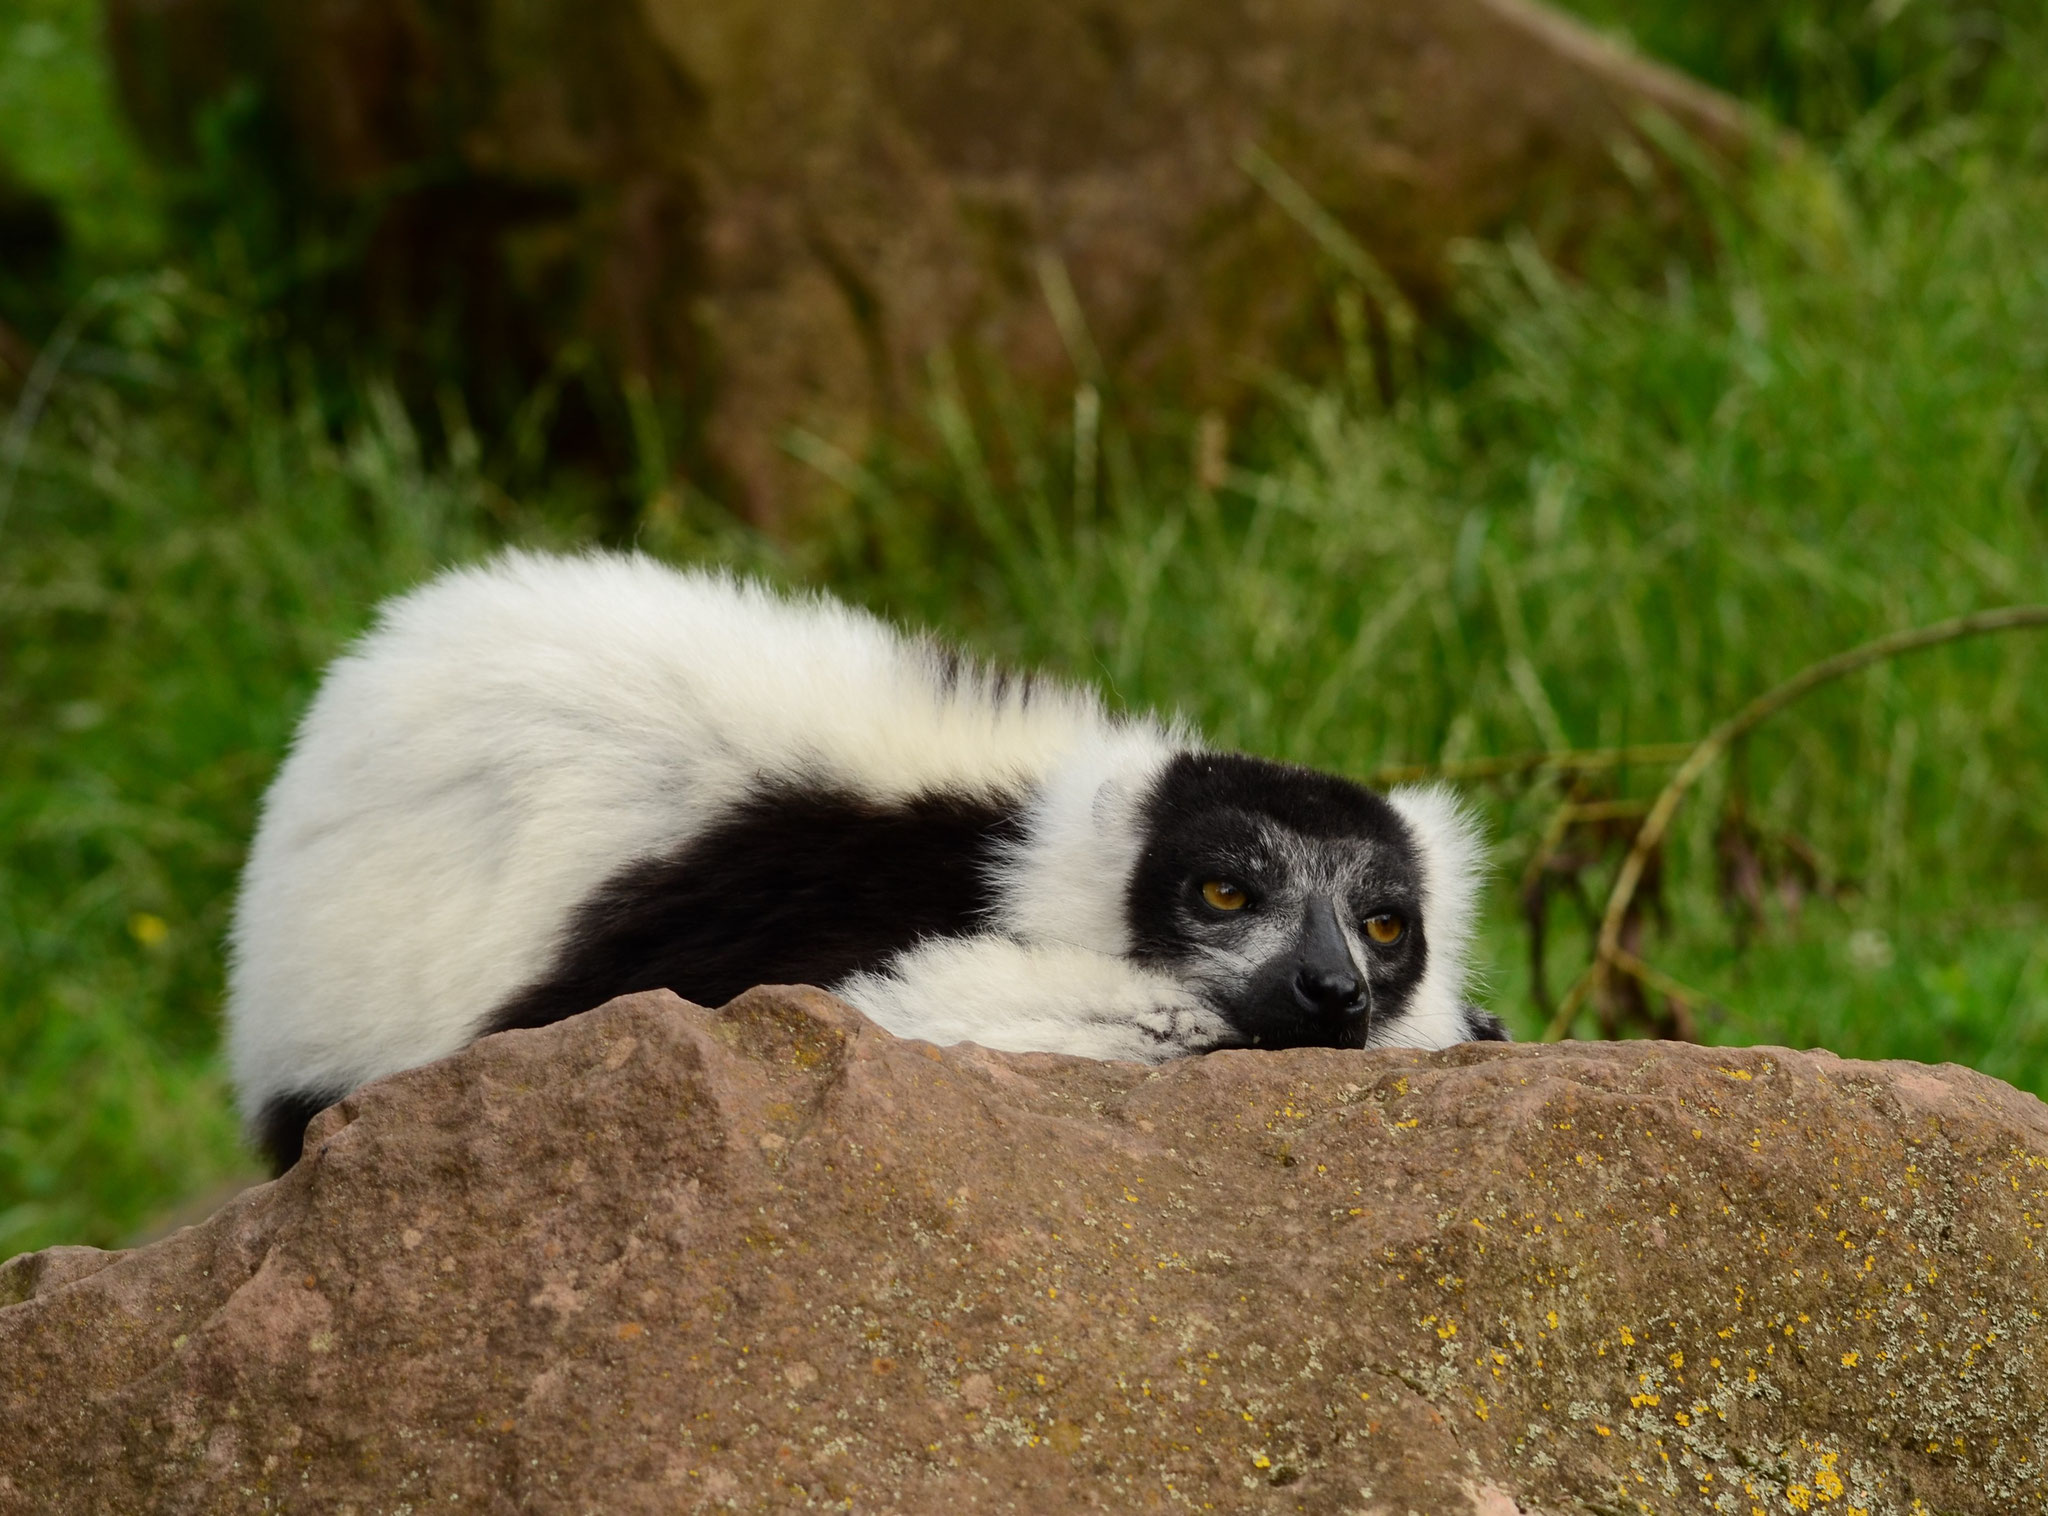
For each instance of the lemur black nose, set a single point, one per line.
(1327, 992)
(1326, 981)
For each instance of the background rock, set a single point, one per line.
(658, 1258)
(774, 213)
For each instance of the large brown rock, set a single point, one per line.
(776, 211)
(661, 1259)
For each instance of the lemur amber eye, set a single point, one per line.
(1223, 895)
(1385, 930)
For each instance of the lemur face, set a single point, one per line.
(1290, 900)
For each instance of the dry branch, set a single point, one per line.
(1609, 953)
(1513, 765)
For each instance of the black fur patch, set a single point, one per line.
(796, 886)
(281, 1127)
(1315, 804)
(1484, 1026)
(994, 682)
(1204, 818)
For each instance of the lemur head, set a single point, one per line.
(1297, 903)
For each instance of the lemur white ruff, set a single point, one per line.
(544, 782)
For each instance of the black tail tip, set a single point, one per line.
(280, 1127)
(1484, 1026)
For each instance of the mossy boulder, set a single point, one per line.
(659, 1258)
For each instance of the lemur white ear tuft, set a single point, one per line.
(1064, 880)
(1452, 843)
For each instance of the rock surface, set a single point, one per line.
(662, 1259)
(775, 212)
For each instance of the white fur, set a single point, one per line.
(509, 736)
(1065, 881)
(1453, 849)
(964, 989)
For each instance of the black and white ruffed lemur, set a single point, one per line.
(546, 781)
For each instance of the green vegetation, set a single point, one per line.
(60, 133)
(1600, 517)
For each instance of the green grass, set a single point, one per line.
(1834, 67)
(60, 134)
(176, 573)
(1607, 516)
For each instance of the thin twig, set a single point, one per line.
(1716, 742)
(1609, 810)
(1658, 980)
(1334, 238)
(1069, 317)
(1535, 904)
(1553, 834)
(1573, 760)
